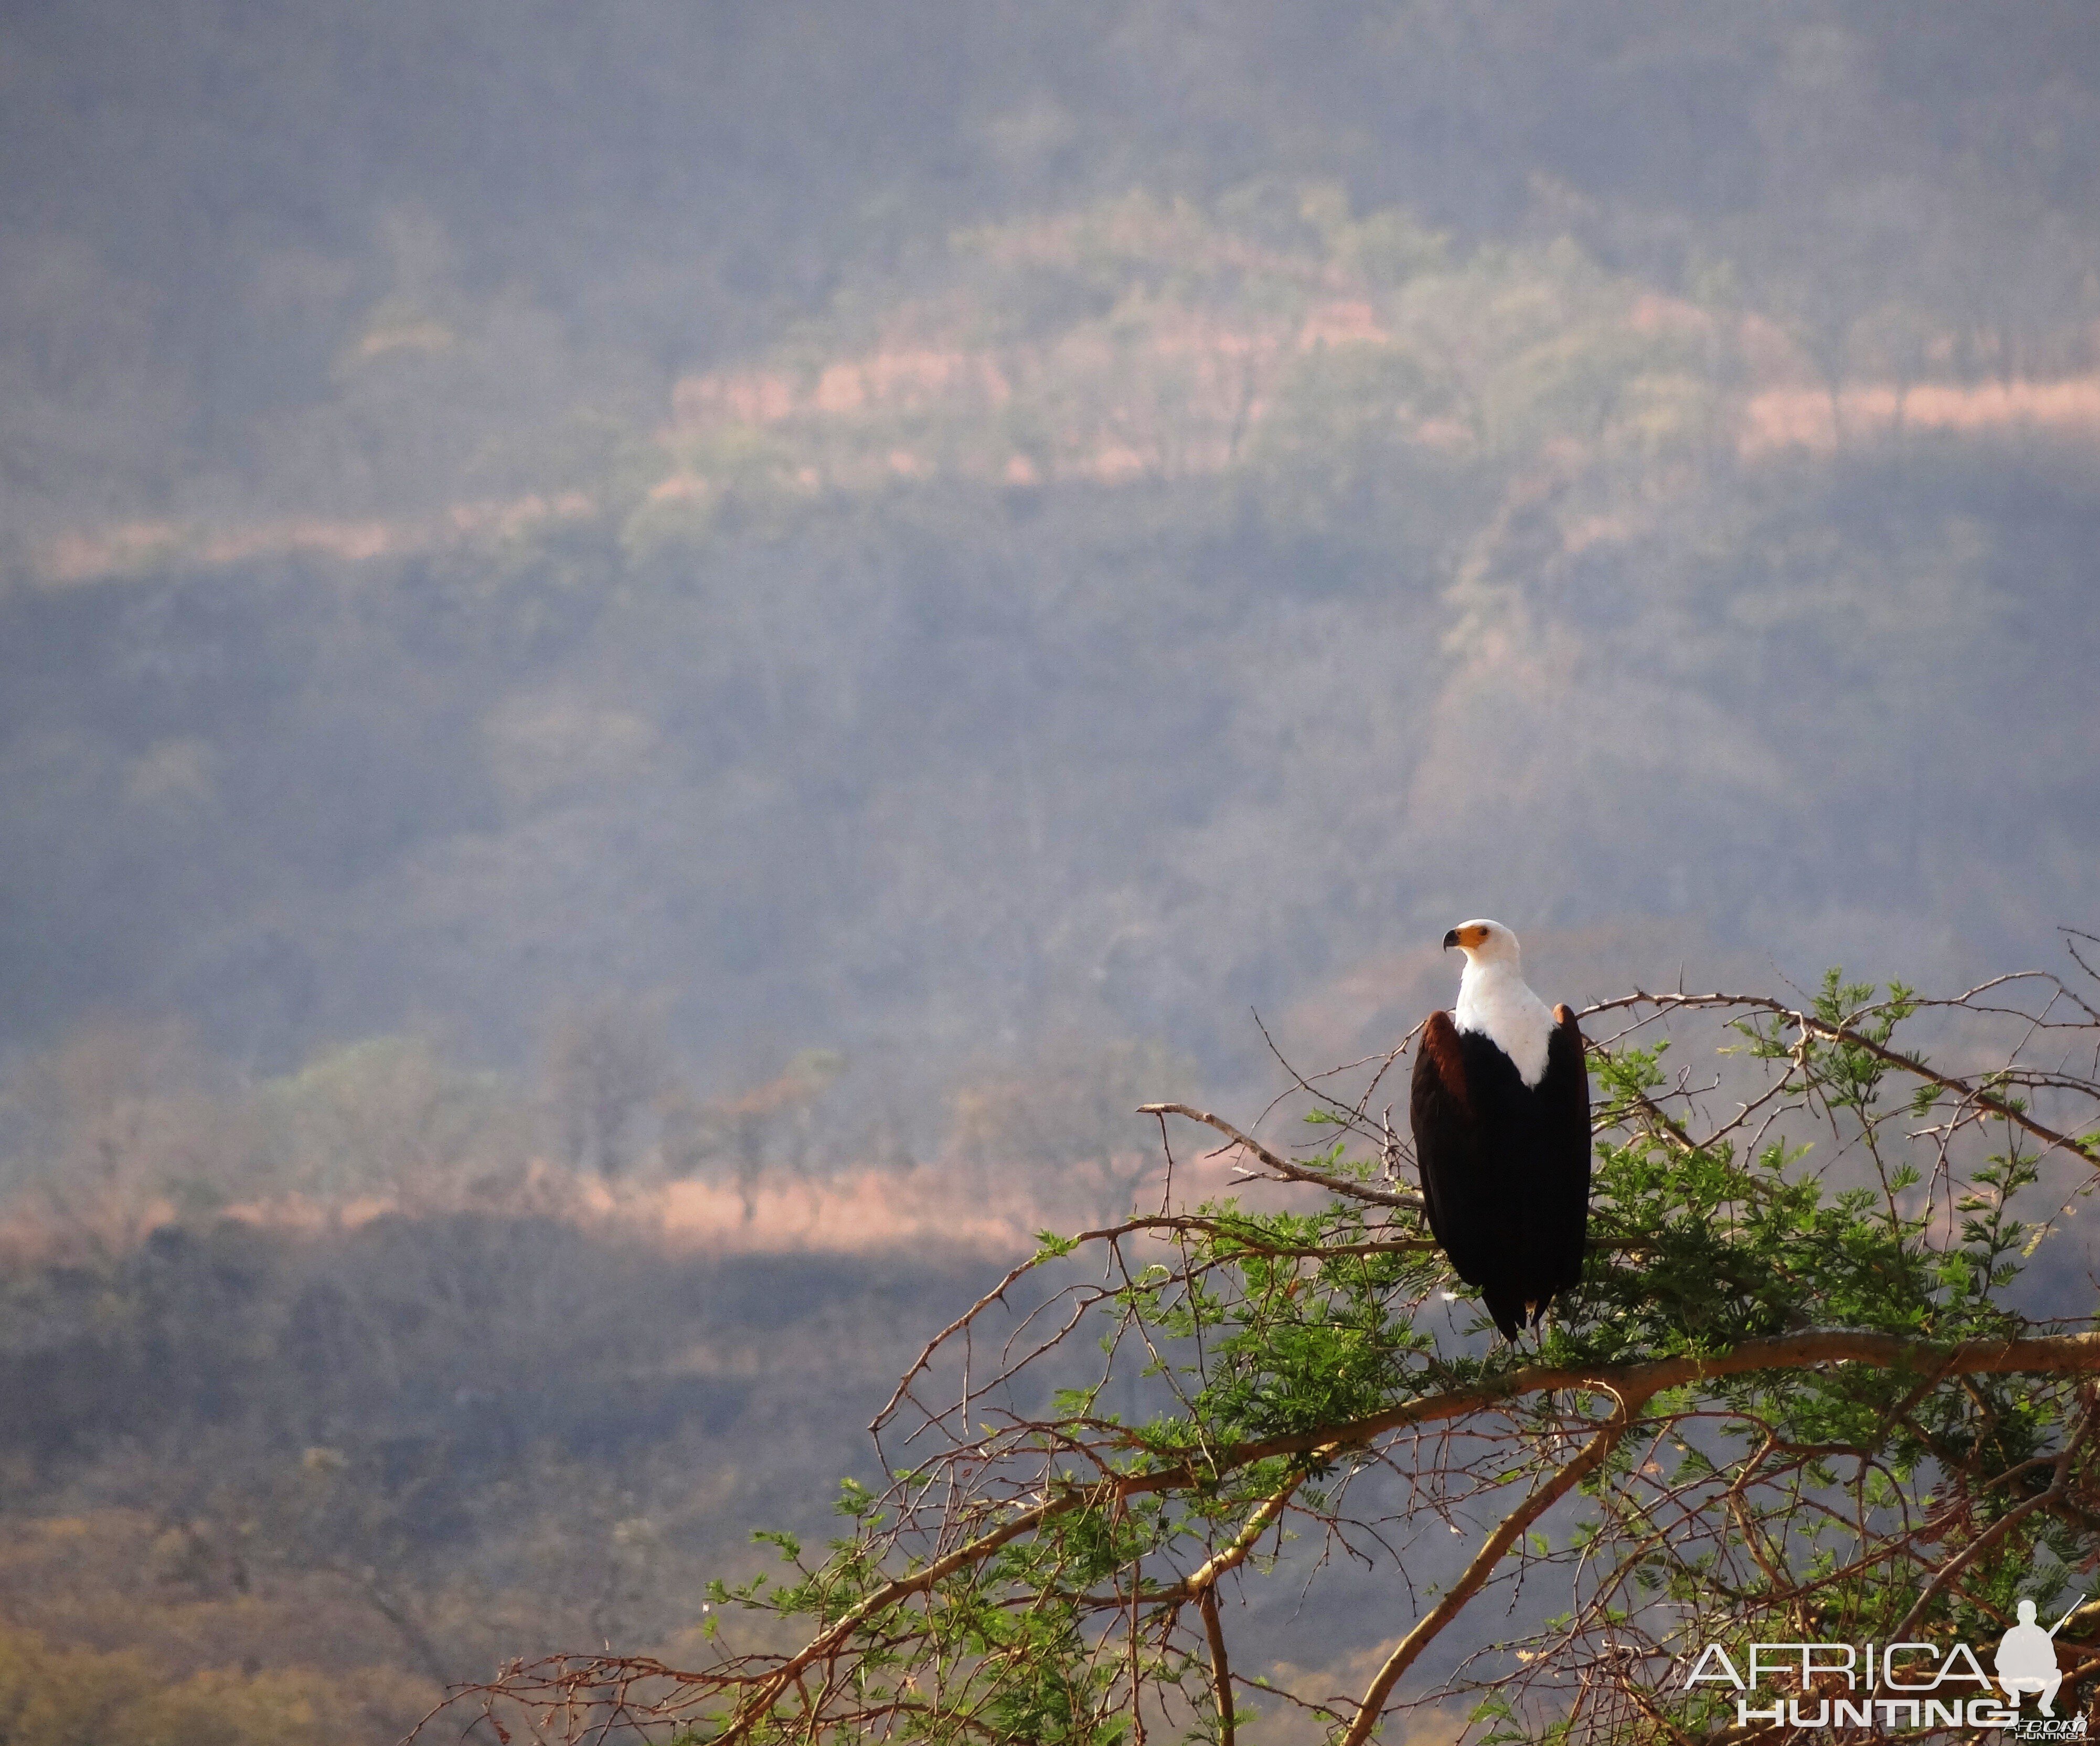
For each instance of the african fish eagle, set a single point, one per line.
(1500, 1107)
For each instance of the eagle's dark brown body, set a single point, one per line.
(1505, 1166)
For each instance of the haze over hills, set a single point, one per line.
(798, 605)
(964, 665)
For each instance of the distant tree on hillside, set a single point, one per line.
(607, 1063)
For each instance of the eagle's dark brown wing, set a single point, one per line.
(1562, 1172)
(1447, 1148)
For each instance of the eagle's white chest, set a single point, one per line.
(1494, 1001)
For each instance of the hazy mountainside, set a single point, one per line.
(928, 525)
(1139, 615)
(216, 218)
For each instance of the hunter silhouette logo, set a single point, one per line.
(2026, 1657)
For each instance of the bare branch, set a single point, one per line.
(1221, 1671)
(2081, 1149)
(1541, 1499)
(1283, 1166)
(1998, 1531)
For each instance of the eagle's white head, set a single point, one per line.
(1483, 942)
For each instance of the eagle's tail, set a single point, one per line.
(1509, 1311)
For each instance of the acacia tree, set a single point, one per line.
(1829, 1376)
